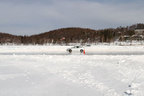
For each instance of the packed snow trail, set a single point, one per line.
(71, 75)
(61, 50)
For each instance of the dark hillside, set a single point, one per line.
(66, 35)
(8, 38)
(74, 35)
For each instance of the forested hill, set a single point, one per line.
(73, 35)
(8, 38)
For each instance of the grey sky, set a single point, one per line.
(26, 17)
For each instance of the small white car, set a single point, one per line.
(75, 49)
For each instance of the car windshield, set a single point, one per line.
(76, 47)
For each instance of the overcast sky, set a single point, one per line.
(26, 17)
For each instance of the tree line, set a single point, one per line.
(73, 35)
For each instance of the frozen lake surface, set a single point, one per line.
(50, 71)
(61, 50)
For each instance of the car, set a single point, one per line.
(76, 49)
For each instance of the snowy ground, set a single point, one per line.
(61, 50)
(50, 71)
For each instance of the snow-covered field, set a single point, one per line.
(50, 71)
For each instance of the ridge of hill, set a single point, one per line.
(73, 35)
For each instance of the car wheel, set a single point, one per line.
(70, 51)
(81, 51)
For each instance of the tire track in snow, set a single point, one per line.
(87, 80)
